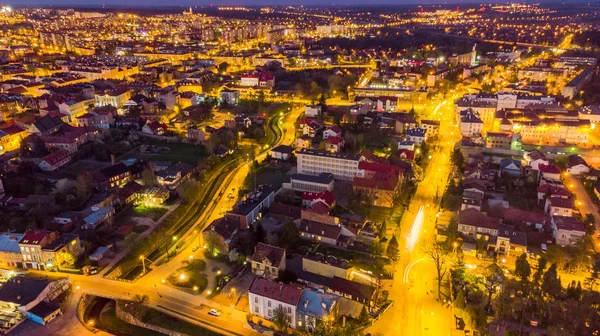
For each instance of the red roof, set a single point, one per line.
(378, 167)
(568, 223)
(154, 125)
(34, 237)
(334, 140)
(407, 153)
(12, 129)
(56, 157)
(320, 207)
(549, 169)
(325, 195)
(289, 294)
(553, 190)
(335, 129)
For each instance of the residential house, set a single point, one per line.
(196, 134)
(11, 137)
(312, 110)
(510, 241)
(548, 190)
(534, 158)
(46, 125)
(549, 172)
(406, 154)
(403, 124)
(473, 225)
(310, 126)
(470, 124)
(267, 261)
(558, 206)
(282, 152)
(304, 141)
(510, 167)
(153, 196)
(576, 165)
(230, 97)
(567, 230)
(113, 176)
(97, 217)
(250, 208)
(416, 135)
(265, 296)
(104, 116)
(155, 128)
(332, 131)
(316, 307)
(219, 234)
(55, 160)
(31, 246)
(379, 182)
(330, 266)
(10, 253)
(326, 233)
(432, 127)
(310, 198)
(172, 177)
(334, 144)
(54, 252)
(355, 291)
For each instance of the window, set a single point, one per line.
(270, 313)
(289, 310)
(269, 304)
(256, 299)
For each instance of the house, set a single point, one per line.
(410, 145)
(153, 196)
(31, 246)
(66, 243)
(196, 134)
(534, 158)
(326, 233)
(10, 253)
(547, 190)
(498, 140)
(352, 290)
(250, 208)
(549, 172)
(46, 125)
(315, 307)
(230, 97)
(267, 261)
(334, 144)
(330, 266)
(432, 127)
(310, 126)
(97, 217)
(113, 176)
(326, 197)
(172, 177)
(31, 297)
(55, 160)
(265, 296)
(11, 137)
(510, 167)
(219, 234)
(416, 135)
(567, 230)
(510, 241)
(534, 219)
(403, 124)
(470, 124)
(282, 152)
(406, 154)
(155, 128)
(379, 181)
(576, 165)
(332, 131)
(473, 225)
(304, 141)
(558, 206)
(312, 110)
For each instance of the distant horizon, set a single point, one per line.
(133, 4)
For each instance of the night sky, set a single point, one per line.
(163, 3)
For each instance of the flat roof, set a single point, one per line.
(322, 153)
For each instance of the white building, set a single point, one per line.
(470, 124)
(567, 230)
(312, 110)
(265, 296)
(231, 97)
(315, 162)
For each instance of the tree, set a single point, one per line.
(140, 298)
(259, 233)
(223, 67)
(574, 290)
(281, 319)
(522, 268)
(556, 255)
(212, 241)
(494, 277)
(288, 235)
(590, 221)
(382, 230)
(537, 276)
(551, 282)
(392, 248)
(439, 253)
(363, 318)
(68, 260)
(594, 277)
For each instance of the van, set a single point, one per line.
(544, 248)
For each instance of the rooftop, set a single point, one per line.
(322, 153)
(289, 294)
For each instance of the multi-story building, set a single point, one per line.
(572, 88)
(315, 162)
(470, 124)
(249, 209)
(231, 97)
(265, 296)
(567, 230)
(310, 183)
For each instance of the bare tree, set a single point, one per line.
(494, 277)
(440, 254)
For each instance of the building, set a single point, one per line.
(315, 307)
(576, 165)
(470, 124)
(282, 152)
(355, 291)
(55, 160)
(250, 208)
(31, 246)
(328, 266)
(432, 127)
(312, 111)
(155, 128)
(378, 182)
(498, 140)
(474, 225)
(230, 97)
(11, 137)
(416, 135)
(267, 261)
(98, 217)
(572, 88)
(310, 183)
(10, 253)
(335, 235)
(559, 206)
(265, 296)
(316, 162)
(510, 241)
(567, 230)
(510, 167)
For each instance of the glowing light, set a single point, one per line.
(417, 225)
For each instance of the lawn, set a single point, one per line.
(169, 322)
(190, 276)
(179, 152)
(140, 211)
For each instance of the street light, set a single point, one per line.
(182, 277)
(143, 264)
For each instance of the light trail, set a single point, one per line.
(417, 225)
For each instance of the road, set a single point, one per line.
(191, 307)
(414, 290)
(583, 201)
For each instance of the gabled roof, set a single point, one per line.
(560, 202)
(21, 290)
(34, 237)
(47, 122)
(358, 290)
(568, 223)
(549, 169)
(475, 218)
(289, 294)
(320, 229)
(575, 160)
(273, 253)
(55, 157)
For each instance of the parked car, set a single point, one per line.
(214, 312)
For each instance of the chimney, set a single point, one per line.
(112, 159)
